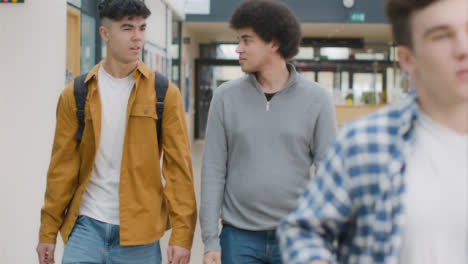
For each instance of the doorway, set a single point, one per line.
(73, 44)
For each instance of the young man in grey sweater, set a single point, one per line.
(264, 132)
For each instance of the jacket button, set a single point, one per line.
(146, 111)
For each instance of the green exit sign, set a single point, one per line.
(11, 1)
(357, 17)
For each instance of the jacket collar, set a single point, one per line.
(141, 69)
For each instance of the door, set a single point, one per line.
(73, 43)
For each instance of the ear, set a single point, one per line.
(274, 45)
(405, 56)
(104, 32)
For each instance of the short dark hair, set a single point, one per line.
(399, 13)
(118, 9)
(271, 20)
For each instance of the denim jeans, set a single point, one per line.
(249, 247)
(92, 241)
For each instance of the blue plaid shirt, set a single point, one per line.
(352, 212)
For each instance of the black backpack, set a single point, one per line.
(80, 91)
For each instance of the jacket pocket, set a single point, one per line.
(142, 125)
(143, 110)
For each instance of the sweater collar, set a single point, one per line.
(293, 76)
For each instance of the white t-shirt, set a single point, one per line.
(101, 199)
(436, 198)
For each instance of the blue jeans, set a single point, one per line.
(249, 247)
(92, 241)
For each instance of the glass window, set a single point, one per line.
(174, 52)
(305, 53)
(334, 53)
(344, 81)
(393, 56)
(88, 43)
(309, 75)
(369, 56)
(227, 51)
(367, 88)
(326, 79)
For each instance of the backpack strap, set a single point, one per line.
(80, 90)
(161, 83)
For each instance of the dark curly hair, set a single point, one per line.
(399, 13)
(271, 20)
(118, 9)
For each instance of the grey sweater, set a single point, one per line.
(258, 154)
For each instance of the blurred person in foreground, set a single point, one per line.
(394, 187)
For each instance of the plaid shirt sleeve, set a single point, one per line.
(308, 233)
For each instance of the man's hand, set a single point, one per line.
(45, 252)
(178, 255)
(212, 257)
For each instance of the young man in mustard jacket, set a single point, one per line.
(104, 192)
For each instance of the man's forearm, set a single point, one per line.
(212, 196)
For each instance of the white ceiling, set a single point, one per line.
(372, 33)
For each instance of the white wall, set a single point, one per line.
(158, 37)
(156, 31)
(32, 74)
(178, 7)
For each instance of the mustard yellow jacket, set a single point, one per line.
(147, 209)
